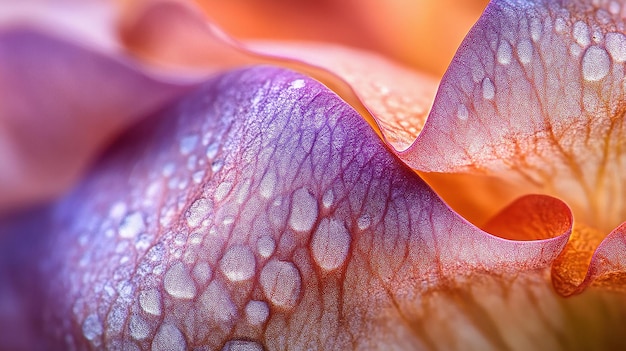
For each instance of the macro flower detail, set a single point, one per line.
(262, 195)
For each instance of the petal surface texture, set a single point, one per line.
(535, 96)
(262, 212)
(535, 93)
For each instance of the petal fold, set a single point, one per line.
(520, 101)
(535, 96)
(262, 208)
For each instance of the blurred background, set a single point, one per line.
(421, 33)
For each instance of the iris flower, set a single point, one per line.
(165, 186)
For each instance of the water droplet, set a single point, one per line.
(155, 254)
(560, 25)
(122, 247)
(298, 83)
(188, 143)
(138, 327)
(191, 162)
(614, 7)
(118, 210)
(242, 345)
(575, 50)
(595, 64)
(228, 220)
(535, 28)
(330, 244)
(303, 211)
(169, 338)
(168, 170)
(489, 90)
(504, 52)
(217, 165)
(197, 177)
(581, 33)
(268, 183)
(211, 151)
(257, 312)
(217, 305)
(202, 272)
(364, 222)
(125, 289)
(92, 327)
(180, 239)
(525, 51)
(281, 283)
(603, 17)
(222, 190)
(198, 211)
(462, 113)
(238, 264)
(328, 198)
(597, 36)
(131, 225)
(266, 246)
(616, 45)
(178, 282)
(243, 192)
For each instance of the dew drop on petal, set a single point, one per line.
(188, 143)
(330, 244)
(595, 64)
(304, 211)
(489, 90)
(614, 7)
(92, 327)
(217, 165)
(504, 52)
(328, 198)
(178, 282)
(216, 304)
(169, 338)
(298, 83)
(150, 301)
(560, 25)
(132, 225)
(118, 210)
(211, 151)
(168, 170)
(197, 212)
(535, 28)
(575, 50)
(202, 272)
(281, 283)
(364, 221)
(268, 183)
(462, 113)
(525, 51)
(238, 264)
(138, 327)
(581, 33)
(257, 312)
(222, 191)
(266, 246)
(242, 345)
(616, 45)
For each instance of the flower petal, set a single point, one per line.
(263, 209)
(535, 95)
(591, 259)
(66, 90)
